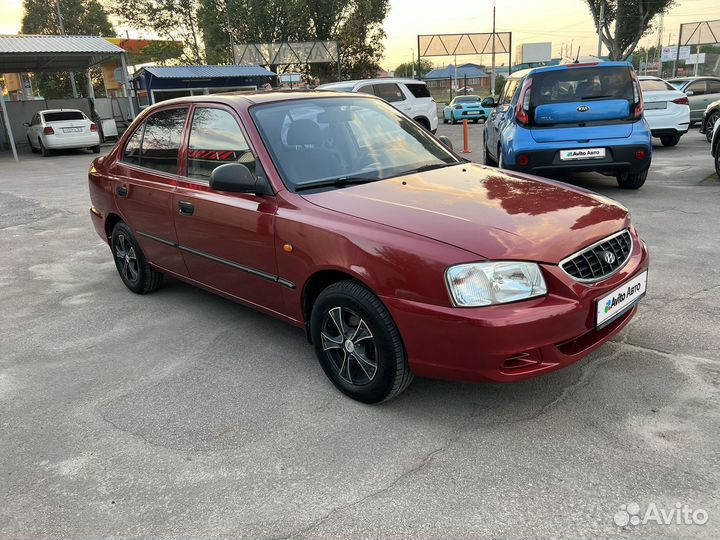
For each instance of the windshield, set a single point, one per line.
(581, 84)
(677, 84)
(343, 138)
(467, 99)
(651, 85)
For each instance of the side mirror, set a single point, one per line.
(235, 178)
(689, 93)
(446, 141)
(489, 102)
(26, 124)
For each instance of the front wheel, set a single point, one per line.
(670, 140)
(131, 264)
(357, 343)
(710, 124)
(631, 180)
(488, 160)
(717, 161)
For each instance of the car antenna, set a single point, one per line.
(577, 57)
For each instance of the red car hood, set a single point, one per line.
(490, 213)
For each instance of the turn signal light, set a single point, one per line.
(640, 154)
(93, 127)
(681, 101)
(48, 131)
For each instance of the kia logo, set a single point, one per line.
(608, 257)
(583, 108)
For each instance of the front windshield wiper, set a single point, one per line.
(429, 167)
(335, 182)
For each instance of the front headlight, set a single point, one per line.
(487, 283)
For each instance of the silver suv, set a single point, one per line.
(407, 95)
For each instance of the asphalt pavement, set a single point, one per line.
(183, 415)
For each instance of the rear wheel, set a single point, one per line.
(670, 140)
(44, 151)
(95, 149)
(710, 124)
(631, 180)
(131, 264)
(357, 343)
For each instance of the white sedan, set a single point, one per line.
(56, 129)
(667, 110)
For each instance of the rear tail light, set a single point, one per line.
(49, 131)
(458, 107)
(93, 126)
(681, 101)
(638, 103)
(522, 109)
(640, 154)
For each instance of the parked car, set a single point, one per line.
(710, 118)
(56, 129)
(410, 96)
(462, 107)
(667, 110)
(701, 91)
(336, 214)
(571, 117)
(715, 146)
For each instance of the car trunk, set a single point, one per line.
(68, 125)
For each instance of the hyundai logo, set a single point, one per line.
(583, 108)
(608, 257)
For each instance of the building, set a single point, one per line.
(154, 84)
(441, 79)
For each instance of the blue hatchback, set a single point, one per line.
(571, 117)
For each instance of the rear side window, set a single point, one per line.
(651, 85)
(581, 84)
(418, 90)
(63, 116)
(390, 92)
(714, 87)
(161, 140)
(215, 139)
(508, 91)
(132, 148)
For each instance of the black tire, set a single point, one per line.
(488, 160)
(445, 120)
(452, 119)
(32, 148)
(130, 261)
(670, 140)
(95, 149)
(476, 120)
(710, 123)
(337, 317)
(44, 151)
(632, 180)
(717, 161)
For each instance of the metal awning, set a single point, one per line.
(39, 53)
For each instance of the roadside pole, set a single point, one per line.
(8, 129)
(601, 21)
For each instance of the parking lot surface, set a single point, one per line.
(183, 415)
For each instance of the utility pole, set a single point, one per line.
(62, 31)
(492, 74)
(658, 47)
(230, 34)
(601, 22)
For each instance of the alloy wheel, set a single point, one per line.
(349, 344)
(127, 258)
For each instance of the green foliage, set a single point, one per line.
(80, 17)
(499, 83)
(407, 69)
(625, 22)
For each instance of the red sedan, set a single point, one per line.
(337, 213)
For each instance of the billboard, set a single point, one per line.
(452, 44)
(668, 54)
(304, 52)
(533, 52)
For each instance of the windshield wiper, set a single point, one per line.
(335, 182)
(428, 168)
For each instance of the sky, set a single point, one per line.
(530, 21)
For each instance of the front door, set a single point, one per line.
(143, 183)
(227, 239)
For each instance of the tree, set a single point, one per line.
(80, 17)
(410, 69)
(174, 20)
(625, 22)
(499, 83)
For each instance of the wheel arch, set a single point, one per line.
(111, 220)
(423, 121)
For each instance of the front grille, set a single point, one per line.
(591, 264)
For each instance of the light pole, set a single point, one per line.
(492, 73)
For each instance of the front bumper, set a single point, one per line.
(512, 342)
(618, 159)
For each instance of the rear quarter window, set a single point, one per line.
(63, 116)
(581, 84)
(418, 90)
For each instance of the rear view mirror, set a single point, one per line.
(489, 102)
(446, 141)
(235, 178)
(689, 93)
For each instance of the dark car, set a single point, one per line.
(342, 216)
(710, 118)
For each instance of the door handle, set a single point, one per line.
(186, 208)
(122, 191)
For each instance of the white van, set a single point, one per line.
(407, 95)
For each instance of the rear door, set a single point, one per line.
(392, 93)
(698, 97)
(144, 182)
(421, 101)
(227, 239)
(564, 103)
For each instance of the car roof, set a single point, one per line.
(372, 81)
(244, 99)
(649, 78)
(59, 110)
(699, 77)
(543, 69)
